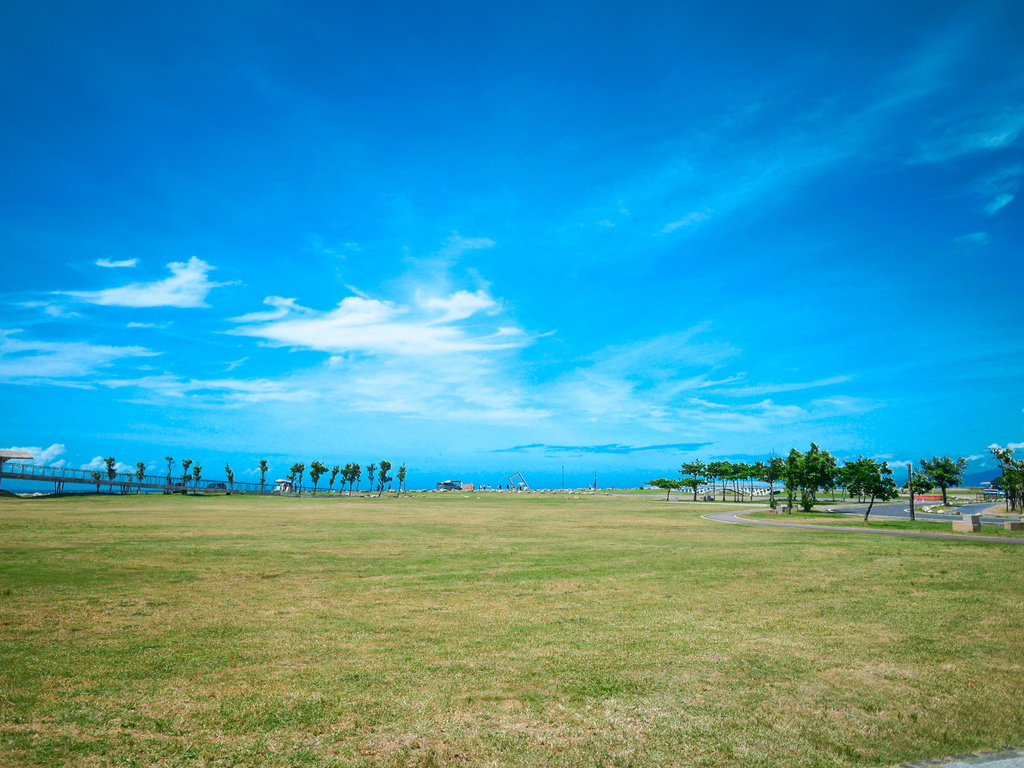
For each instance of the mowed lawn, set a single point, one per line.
(492, 630)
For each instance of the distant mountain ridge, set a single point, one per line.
(976, 478)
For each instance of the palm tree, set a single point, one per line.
(383, 477)
(185, 464)
(316, 469)
(264, 468)
(369, 474)
(140, 472)
(170, 463)
(111, 463)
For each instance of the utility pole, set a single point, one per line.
(910, 485)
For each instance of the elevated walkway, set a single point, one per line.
(124, 482)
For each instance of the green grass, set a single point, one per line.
(499, 630)
(881, 523)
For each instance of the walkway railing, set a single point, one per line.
(127, 481)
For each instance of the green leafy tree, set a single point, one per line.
(944, 472)
(140, 472)
(716, 470)
(816, 472)
(197, 475)
(793, 472)
(231, 476)
(401, 475)
(1011, 481)
(838, 481)
(867, 478)
(334, 474)
(316, 471)
(920, 483)
(301, 471)
(357, 474)
(697, 470)
(263, 468)
(370, 469)
(185, 464)
(296, 473)
(97, 477)
(774, 471)
(111, 463)
(666, 485)
(757, 470)
(170, 465)
(383, 476)
(738, 472)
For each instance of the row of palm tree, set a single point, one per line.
(351, 474)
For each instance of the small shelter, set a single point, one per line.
(8, 455)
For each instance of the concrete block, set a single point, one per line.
(1014, 525)
(967, 524)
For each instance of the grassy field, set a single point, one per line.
(523, 630)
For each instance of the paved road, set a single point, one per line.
(734, 517)
(1004, 758)
(901, 510)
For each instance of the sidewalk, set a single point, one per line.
(1008, 757)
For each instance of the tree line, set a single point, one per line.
(803, 475)
(191, 471)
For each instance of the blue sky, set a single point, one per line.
(482, 238)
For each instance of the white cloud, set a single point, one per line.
(148, 325)
(374, 327)
(43, 457)
(34, 361)
(460, 305)
(284, 307)
(50, 308)
(230, 391)
(765, 389)
(456, 245)
(1000, 202)
(977, 456)
(975, 238)
(116, 264)
(186, 288)
(976, 133)
(653, 385)
(99, 463)
(1015, 446)
(687, 221)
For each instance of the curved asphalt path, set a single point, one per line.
(734, 517)
(900, 510)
